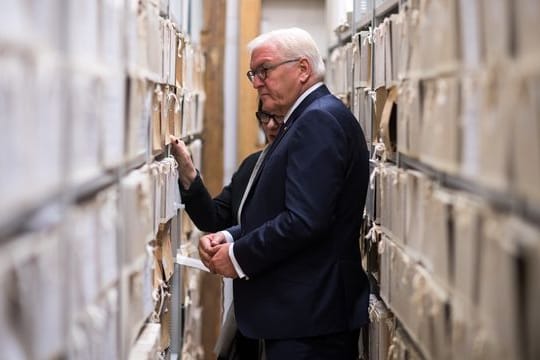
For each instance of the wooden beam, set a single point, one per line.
(213, 43)
(248, 129)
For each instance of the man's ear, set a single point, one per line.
(305, 70)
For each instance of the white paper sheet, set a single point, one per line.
(191, 262)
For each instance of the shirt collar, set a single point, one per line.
(301, 98)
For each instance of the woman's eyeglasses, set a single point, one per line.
(265, 117)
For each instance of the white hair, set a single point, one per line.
(292, 43)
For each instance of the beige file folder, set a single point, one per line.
(525, 90)
(499, 288)
(527, 27)
(467, 224)
(496, 33)
(494, 124)
(158, 137)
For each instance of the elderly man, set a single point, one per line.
(299, 285)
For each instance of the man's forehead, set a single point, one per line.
(263, 54)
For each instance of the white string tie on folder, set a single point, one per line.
(379, 169)
(373, 233)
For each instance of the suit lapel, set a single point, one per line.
(319, 92)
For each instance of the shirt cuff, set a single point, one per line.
(228, 236)
(237, 267)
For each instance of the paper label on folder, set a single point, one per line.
(191, 262)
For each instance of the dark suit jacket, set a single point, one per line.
(216, 214)
(299, 239)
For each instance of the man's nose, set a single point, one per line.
(257, 83)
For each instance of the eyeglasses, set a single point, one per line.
(262, 71)
(265, 117)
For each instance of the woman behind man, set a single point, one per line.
(221, 212)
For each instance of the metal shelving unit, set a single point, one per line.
(386, 7)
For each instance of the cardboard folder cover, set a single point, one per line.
(442, 36)
(497, 33)
(470, 124)
(396, 29)
(24, 279)
(172, 55)
(113, 120)
(440, 125)
(356, 51)
(438, 244)
(363, 112)
(83, 279)
(429, 327)
(173, 111)
(137, 123)
(414, 210)
(348, 66)
(467, 223)
(464, 328)
(402, 290)
(499, 291)
(386, 253)
(399, 208)
(412, 53)
(365, 59)
(107, 223)
(48, 124)
(388, 54)
(86, 101)
(494, 124)
(402, 41)
(82, 32)
(41, 297)
(440, 141)
(199, 119)
(180, 48)
(526, 139)
(379, 62)
(528, 235)
(165, 37)
(11, 339)
(141, 28)
(527, 27)
(154, 44)
(158, 139)
(409, 118)
(385, 174)
(111, 32)
(446, 125)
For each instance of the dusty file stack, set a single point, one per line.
(447, 93)
(89, 225)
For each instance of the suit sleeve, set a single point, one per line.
(208, 214)
(216, 214)
(315, 172)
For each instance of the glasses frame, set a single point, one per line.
(262, 71)
(260, 114)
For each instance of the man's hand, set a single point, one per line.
(208, 246)
(221, 263)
